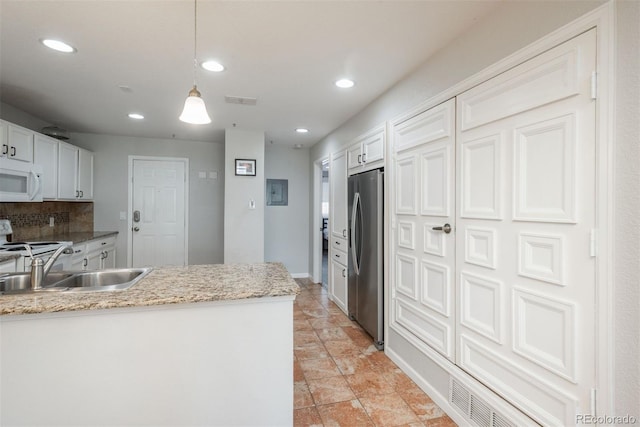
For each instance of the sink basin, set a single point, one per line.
(103, 280)
(99, 280)
(21, 282)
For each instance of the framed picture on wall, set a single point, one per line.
(245, 167)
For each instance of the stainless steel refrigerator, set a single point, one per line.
(365, 288)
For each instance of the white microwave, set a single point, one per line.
(20, 181)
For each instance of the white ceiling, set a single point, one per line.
(287, 54)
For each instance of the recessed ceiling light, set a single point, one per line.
(345, 83)
(136, 116)
(58, 45)
(302, 130)
(212, 66)
(298, 146)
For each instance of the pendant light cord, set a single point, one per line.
(195, 40)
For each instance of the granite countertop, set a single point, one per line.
(166, 285)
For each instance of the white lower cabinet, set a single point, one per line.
(78, 260)
(338, 280)
(8, 266)
(339, 273)
(96, 254)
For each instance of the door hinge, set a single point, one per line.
(594, 85)
(593, 243)
(593, 402)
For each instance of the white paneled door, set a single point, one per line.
(526, 217)
(424, 242)
(159, 213)
(509, 294)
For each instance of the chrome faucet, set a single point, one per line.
(40, 269)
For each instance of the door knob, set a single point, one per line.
(136, 228)
(446, 228)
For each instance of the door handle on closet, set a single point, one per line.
(446, 228)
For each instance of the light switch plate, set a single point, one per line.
(123, 216)
(213, 175)
(202, 175)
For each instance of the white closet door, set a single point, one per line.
(526, 192)
(423, 284)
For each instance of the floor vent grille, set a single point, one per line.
(475, 409)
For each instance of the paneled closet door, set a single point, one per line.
(526, 192)
(423, 283)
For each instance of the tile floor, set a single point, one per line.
(340, 379)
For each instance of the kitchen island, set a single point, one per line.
(195, 345)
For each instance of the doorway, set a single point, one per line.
(158, 201)
(325, 223)
(320, 221)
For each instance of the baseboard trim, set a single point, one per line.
(301, 275)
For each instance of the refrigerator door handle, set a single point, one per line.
(354, 221)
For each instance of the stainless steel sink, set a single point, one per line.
(99, 280)
(103, 280)
(21, 282)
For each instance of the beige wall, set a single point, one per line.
(285, 233)
(243, 226)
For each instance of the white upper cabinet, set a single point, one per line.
(45, 153)
(85, 174)
(16, 142)
(67, 171)
(75, 173)
(367, 151)
(338, 193)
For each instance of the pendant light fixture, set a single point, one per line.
(195, 112)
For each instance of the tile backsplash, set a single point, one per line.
(30, 221)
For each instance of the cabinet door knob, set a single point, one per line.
(343, 273)
(5, 149)
(85, 262)
(359, 157)
(13, 151)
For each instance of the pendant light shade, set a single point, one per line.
(195, 112)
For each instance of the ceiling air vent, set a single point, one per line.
(240, 100)
(474, 409)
